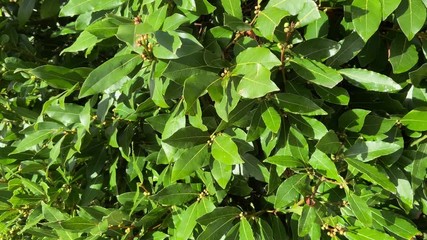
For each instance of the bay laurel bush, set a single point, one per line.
(213, 119)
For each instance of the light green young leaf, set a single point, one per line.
(174, 44)
(86, 40)
(109, 73)
(403, 186)
(403, 54)
(308, 126)
(245, 230)
(373, 173)
(366, 151)
(78, 224)
(298, 144)
(411, 15)
(308, 14)
(388, 6)
(75, 7)
(219, 213)
(415, 120)
(271, 118)
(52, 214)
(292, 6)
(225, 150)
(360, 208)
(322, 163)
(233, 8)
(370, 80)
(298, 104)
(221, 172)
(366, 16)
(216, 229)
(367, 234)
(316, 72)
(267, 21)
(185, 227)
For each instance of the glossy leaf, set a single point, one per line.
(316, 72)
(191, 160)
(75, 7)
(187, 137)
(403, 54)
(373, 173)
(233, 8)
(370, 80)
(394, 223)
(245, 230)
(388, 6)
(329, 143)
(360, 208)
(298, 104)
(109, 73)
(411, 16)
(307, 219)
(367, 234)
(370, 150)
(415, 120)
(271, 118)
(225, 150)
(351, 45)
(288, 192)
(318, 49)
(32, 140)
(268, 20)
(366, 16)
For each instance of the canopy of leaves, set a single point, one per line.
(213, 119)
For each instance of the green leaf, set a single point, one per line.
(351, 45)
(403, 186)
(318, 28)
(187, 137)
(33, 187)
(316, 72)
(322, 163)
(370, 80)
(353, 120)
(173, 44)
(174, 21)
(308, 126)
(32, 140)
(298, 104)
(67, 115)
(219, 213)
(415, 120)
(307, 219)
(221, 172)
(189, 161)
(102, 29)
(255, 64)
(360, 208)
(366, 16)
(57, 76)
(366, 151)
(25, 10)
(329, 143)
(318, 49)
(109, 73)
(419, 166)
(308, 14)
(373, 173)
(233, 8)
(292, 6)
(411, 15)
(268, 20)
(394, 223)
(298, 144)
(419, 77)
(52, 214)
(285, 161)
(225, 150)
(216, 229)
(367, 234)
(157, 17)
(245, 230)
(188, 221)
(388, 6)
(86, 40)
(75, 7)
(403, 54)
(78, 224)
(130, 33)
(288, 192)
(194, 87)
(175, 194)
(271, 118)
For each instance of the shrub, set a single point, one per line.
(213, 119)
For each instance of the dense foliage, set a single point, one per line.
(213, 119)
